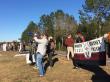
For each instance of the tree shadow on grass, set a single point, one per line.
(99, 74)
(54, 60)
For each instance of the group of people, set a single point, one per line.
(9, 46)
(46, 45)
(69, 42)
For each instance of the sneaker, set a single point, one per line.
(35, 67)
(75, 67)
(50, 67)
(40, 75)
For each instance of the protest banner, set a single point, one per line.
(90, 52)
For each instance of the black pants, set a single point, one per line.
(50, 55)
(75, 63)
(108, 49)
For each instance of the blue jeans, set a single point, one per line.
(36, 64)
(39, 63)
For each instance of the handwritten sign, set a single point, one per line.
(89, 47)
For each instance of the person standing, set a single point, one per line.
(50, 50)
(107, 40)
(41, 51)
(79, 38)
(4, 46)
(20, 47)
(69, 42)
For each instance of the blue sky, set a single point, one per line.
(15, 15)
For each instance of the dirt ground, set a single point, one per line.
(15, 69)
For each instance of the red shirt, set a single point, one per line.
(69, 42)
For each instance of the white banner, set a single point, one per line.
(88, 47)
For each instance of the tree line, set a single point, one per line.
(94, 22)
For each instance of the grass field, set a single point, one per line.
(15, 69)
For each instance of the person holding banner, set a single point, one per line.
(107, 39)
(79, 38)
(69, 42)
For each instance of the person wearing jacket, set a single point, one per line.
(50, 50)
(41, 51)
(69, 42)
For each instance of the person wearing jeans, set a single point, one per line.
(41, 51)
(39, 62)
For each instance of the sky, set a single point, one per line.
(15, 15)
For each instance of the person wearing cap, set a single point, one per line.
(69, 42)
(41, 51)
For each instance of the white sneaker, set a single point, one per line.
(35, 67)
(50, 67)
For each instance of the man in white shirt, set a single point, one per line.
(41, 51)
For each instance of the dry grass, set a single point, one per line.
(15, 69)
